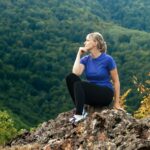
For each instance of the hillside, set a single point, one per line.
(130, 14)
(38, 44)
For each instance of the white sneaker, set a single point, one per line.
(76, 118)
(84, 113)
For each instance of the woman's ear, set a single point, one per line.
(96, 43)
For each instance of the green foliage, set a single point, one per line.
(144, 89)
(130, 14)
(7, 129)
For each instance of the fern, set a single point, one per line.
(123, 99)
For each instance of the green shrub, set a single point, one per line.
(7, 129)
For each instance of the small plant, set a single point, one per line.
(123, 99)
(144, 109)
(7, 129)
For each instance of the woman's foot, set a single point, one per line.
(84, 113)
(77, 118)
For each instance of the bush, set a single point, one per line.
(7, 129)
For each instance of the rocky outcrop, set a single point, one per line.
(107, 129)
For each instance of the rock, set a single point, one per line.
(103, 129)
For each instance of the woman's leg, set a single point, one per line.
(91, 94)
(86, 93)
(79, 95)
(97, 95)
(70, 80)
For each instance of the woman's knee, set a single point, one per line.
(72, 76)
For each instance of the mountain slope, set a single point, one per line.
(130, 14)
(38, 44)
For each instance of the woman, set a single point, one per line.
(99, 69)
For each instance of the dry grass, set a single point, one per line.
(23, 147)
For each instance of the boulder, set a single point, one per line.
(103, 129)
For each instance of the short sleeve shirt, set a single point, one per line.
(97, 70)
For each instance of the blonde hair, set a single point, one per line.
(101, 44)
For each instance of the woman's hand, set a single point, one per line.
(82, 50)
(78, 68)
(118, 107)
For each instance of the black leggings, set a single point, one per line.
(83, 92)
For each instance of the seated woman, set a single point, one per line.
(99, 69)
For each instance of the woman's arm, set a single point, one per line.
(78, 68)
(116, 82)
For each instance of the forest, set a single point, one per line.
(39, 41)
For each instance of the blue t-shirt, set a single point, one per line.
(97, 70)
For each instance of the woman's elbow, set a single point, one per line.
(76, 72)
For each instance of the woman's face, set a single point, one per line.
(90, 43)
